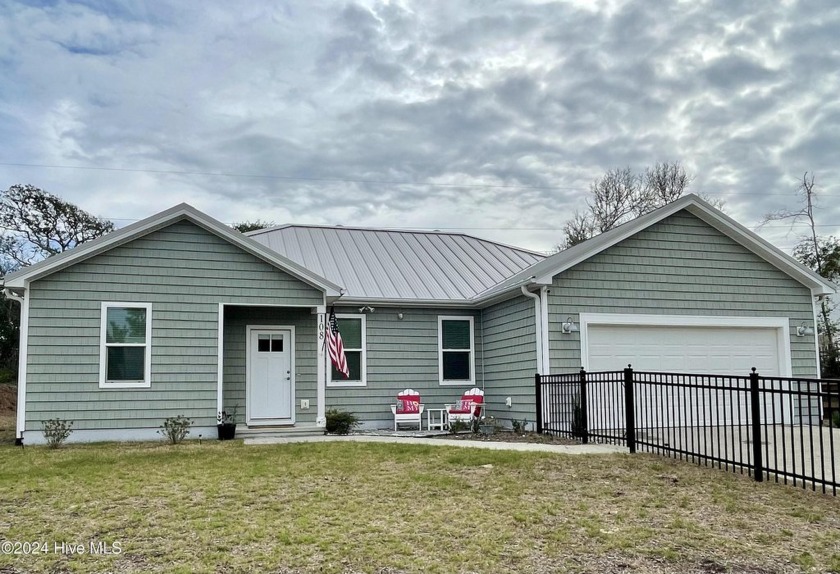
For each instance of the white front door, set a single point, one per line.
(270, 377)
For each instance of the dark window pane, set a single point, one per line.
(126, 363)
(354, 362)
(456, 366)
(263, 343)
(125, 325)
(277, 343)
(351, 333)
(456, 334)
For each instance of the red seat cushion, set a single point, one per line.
(408, 404)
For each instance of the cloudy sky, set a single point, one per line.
(489, 117)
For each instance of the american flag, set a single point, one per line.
(336, 346)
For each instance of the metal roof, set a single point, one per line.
(398, 265)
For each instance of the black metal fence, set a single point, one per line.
(774, 428)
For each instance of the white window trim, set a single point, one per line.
(456, 382)
(103, 352)
(342, 382)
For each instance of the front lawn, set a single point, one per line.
(387, 508)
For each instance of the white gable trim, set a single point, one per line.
(154, 223)
(544, 274)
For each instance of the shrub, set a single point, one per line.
(340, 422)
(56, 431)
(175, 429)
(458, 426)
(836, 419)
(520, 427)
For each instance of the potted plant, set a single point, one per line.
(488, 426)
(227, 424)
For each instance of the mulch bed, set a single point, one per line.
(510, 436)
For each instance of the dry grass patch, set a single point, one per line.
(8, 402)
(353, 507)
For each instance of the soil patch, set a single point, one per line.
(8, 398)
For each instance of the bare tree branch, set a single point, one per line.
(36, 224)
(577, 230)
(620, 195)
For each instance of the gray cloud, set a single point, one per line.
(514, 107)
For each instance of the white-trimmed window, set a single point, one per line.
(456, 350)
(352, 329)
(125, 357)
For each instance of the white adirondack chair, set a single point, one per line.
(408, 410)
(467, 409)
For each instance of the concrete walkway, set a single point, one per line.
(517, 446)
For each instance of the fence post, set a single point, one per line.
(755, 407)
(538, 399)
(584, 418)
(629, 409)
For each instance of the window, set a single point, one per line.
(456, 356)
(125, 345)
(352, 329)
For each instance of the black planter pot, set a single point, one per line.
(226, 431)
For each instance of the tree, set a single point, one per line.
(620, 195)
(822, 254)
(246, 226)
(37, 224)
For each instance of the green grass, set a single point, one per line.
(353, 507)
(7, 428)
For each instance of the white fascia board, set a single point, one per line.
(475, 303)
(159, 221)
(699, 208)
(762, 248)
(607, 239)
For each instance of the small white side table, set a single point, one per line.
(436, 419)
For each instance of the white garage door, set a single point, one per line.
(686, 349)
(694, 348)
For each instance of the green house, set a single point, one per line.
(179, 314)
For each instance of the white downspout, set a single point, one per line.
(22, 358)
(220, 360)
(546, 360)
(537, 326)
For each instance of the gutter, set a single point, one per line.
(537, 325)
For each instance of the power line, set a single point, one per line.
(287, 177)
(338, 180)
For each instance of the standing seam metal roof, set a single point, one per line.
(388, 264)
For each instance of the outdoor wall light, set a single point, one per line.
(803, 330)
(569, 326)
(366, 309)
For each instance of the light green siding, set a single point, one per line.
(237, 319)
(510, 358)
(185, 272)
(679, 266)
(402, 354)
